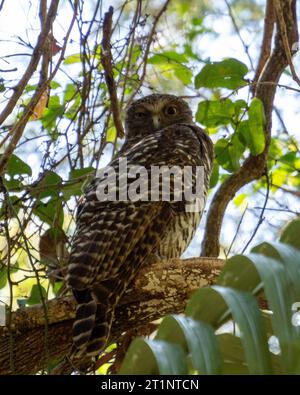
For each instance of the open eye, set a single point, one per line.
(140, 114)
(171, 110)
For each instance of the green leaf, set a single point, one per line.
(291, 232)
(168, 57)
(154, 357)
(52, 114)
(240, 106)
(251, 131)
(183, 73)
(228, 153)
(287, 255)
(214, 175)
(176, 62)
(3, 276)
(54, 85)
(228, 73)
(13, 184)
(51, 212)
(49, 185)
(81, 172)
(240, 273)
(35, 295)
(74, 187)
(111, 134)
(280, 298)
(30, 88)
(2, 86)
(213, 113)
(70, 92)
(233, 354)
(17, 166)
(197, 307)
(197, 338)
(57, 286)
(245, 312)
(238, 200)
(13, 207)
(71, 59)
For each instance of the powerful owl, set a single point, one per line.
(116, 236)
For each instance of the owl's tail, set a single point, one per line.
(94, 315)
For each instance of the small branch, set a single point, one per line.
(237, 30)
(8, 70)
(35, 58)
(261, 217)
(158, 290)
(18, 129)
(147, 50)
(1, 4)
(290, 191)
(106, 61)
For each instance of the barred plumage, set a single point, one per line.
(113, 239)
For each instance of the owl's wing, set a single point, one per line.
(104, 239)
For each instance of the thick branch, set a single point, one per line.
(158, 290)
(254, 166)
(265, 50)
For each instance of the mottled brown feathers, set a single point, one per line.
(113, 239)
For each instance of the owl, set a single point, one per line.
(116, 237)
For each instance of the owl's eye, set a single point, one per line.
(140, 114)
(171, 110)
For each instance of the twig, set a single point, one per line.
(1, 4)
(261, 217)
(8, 70)
(236, 233)
(106, 61)
(278, 210)
(290, 191)
(236, 28)
(147, 50)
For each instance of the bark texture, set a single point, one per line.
(32, 345)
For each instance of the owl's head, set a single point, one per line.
(155, 112)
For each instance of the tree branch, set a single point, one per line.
(265, 50)
(18, 129)
(147, 51)
(254, 166)
(35, 58)
(106, 61)
(158, 290)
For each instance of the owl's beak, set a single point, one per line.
(156, 121)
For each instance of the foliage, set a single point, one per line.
(194, 343)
